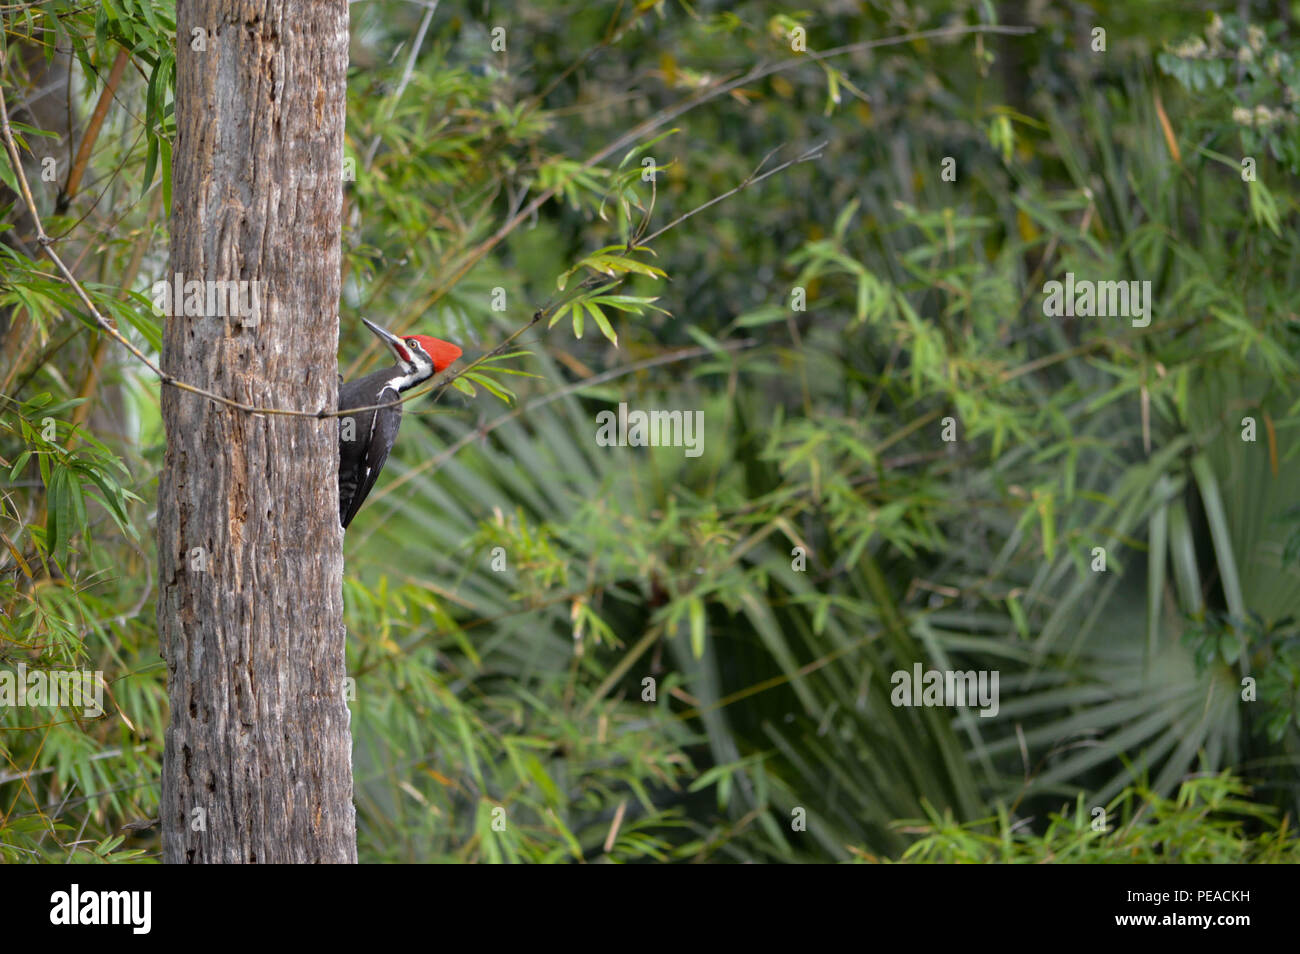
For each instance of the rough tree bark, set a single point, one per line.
(257, 766)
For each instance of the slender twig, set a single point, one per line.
(97, 353)
(58, 811)
(612, 36)
(93, 127)
(406, 75)
(814, 153)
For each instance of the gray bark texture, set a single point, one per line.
(257, 764)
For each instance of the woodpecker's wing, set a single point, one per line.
(383, 432)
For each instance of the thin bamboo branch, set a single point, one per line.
(92, 129)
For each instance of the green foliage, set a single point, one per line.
(1206, 822)
(568, 652)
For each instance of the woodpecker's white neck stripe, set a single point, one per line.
(411, 373)
(404, 381)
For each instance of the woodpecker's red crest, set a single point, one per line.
(443, 353)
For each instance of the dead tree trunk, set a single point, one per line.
(257, 766)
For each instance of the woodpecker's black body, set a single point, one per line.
(365, 438)
(361, 460)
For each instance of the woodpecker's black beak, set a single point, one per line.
(394, 343)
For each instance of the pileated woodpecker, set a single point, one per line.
(364, 446)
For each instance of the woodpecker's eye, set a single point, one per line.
(411, 342)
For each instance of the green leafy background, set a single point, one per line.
(830, 321)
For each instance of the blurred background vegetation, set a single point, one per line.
(827, 536)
